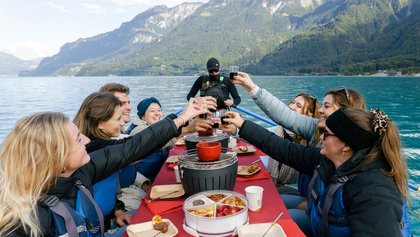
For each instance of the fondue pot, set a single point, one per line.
(215, 213)
(197, 176)
(193, 138)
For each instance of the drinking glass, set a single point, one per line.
(233, 71)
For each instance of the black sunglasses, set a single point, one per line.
(214, 71)
(327, 134)
(344, 89)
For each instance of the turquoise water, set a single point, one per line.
(397, 96)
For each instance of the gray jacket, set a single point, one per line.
(281, 114)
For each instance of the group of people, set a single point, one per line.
(346, 160)
(352, 172)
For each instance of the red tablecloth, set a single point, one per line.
(272, 202)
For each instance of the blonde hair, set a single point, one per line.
(31, 159)
(97, 107)
(389, 145)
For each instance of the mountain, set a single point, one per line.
(147, 27)
(11, 65)
(262, 36)
(363, 37)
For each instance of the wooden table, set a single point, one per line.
(272, 202)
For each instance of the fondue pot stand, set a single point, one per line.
(197, 176)
(192, 139)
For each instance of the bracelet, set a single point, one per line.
(182, 119)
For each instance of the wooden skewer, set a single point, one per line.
(156, 198)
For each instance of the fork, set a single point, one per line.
(273, 223)
(246, 167)
(160, 232)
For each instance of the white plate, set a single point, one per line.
(243, 170)
(249, 149)
(252, 230)
(167, 191)
(145, 229)
(172, 159)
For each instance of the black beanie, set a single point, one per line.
(349, 132)
(213, 64)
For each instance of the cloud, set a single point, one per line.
(32, 49)
(61, 8)
(133, 2)
(94, 8)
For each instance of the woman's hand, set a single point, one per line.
(233, 118)
(244, 80)
(230, 128)
(197, 106)
(202, 124)
(191, 110)
(122, 218)
(197, 125)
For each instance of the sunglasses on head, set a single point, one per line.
(344, 90)
(314, 101)
(327, 134)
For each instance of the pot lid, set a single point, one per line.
(216, 136)
(192, 161)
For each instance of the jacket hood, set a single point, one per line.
(140, 123)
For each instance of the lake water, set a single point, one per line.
(397, 96)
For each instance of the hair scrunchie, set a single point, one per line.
(379, 121)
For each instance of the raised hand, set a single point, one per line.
(244, 80)
(208, 102)
(233, 118)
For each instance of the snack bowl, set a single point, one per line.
(208, 151)
(216, 219)
(198, 201)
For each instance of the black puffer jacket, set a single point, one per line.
(103, 163)
(373, 202)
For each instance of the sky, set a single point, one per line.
(38, 28)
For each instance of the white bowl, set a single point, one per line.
(214, 226)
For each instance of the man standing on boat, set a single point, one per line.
(216, 85)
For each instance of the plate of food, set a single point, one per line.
(172, 159)
(166, 191)
(247, 170)
(156, 227)
(244, 149)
